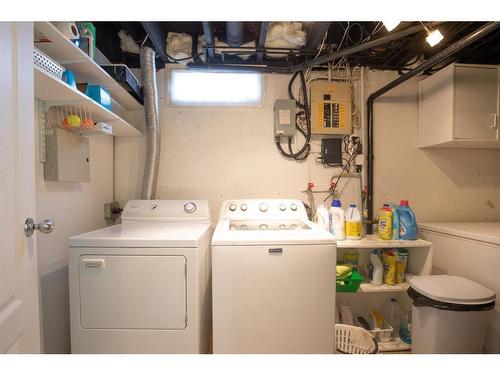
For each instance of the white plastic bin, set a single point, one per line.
(449, 314)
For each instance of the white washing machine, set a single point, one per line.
(273, 279)
(143, 286)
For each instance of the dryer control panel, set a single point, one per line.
(166, 210)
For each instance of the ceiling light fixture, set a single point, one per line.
(391, 25)
(433, 36)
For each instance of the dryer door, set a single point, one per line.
(132, 292)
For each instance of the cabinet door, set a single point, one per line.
(476, 102)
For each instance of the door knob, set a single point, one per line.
(45, 226)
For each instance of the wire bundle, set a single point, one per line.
(303, 153)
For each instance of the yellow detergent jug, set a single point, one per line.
(384, 230)
(353, 223)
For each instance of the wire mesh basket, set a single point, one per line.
(78, 119)
(47, 64)
(354, 340)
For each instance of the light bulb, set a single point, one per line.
(434, 37)
(391, 25)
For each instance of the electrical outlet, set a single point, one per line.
(112, 212)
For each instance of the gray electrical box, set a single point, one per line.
(284, 118)
(67, 157)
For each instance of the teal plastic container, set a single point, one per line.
(100, 95)
(407, 222)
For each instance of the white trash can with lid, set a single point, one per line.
(449, 314)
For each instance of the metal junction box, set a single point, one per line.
(331, 107)
(67, 157)
(284, 118)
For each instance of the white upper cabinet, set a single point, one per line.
(458, 107)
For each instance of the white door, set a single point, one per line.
(19, 317)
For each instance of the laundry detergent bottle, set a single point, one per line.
(336, 216)
(407, 222)
(384, 230)
(322, 217)
(353, 223)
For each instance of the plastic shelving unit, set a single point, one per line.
(420, 263)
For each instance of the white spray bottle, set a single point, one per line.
(376, 268)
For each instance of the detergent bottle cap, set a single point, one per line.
(403, 203)
(336, 203)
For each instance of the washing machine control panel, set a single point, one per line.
(255, 209)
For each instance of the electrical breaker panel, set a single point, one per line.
(284, 118)
(330, 107)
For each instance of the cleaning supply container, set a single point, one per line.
(322, 217)
(449, 314)
(352, 223)
(393, 313)
(384, 229)
(376, 268)
(336, 218)
(407, 222)
(354, 340)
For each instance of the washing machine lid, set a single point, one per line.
(452, 289)
(260, 232)
(144, 234)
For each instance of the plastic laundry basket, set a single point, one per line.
(449, 314)
(354, 340)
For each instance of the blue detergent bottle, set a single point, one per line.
(407, 222)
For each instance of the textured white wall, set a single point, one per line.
(218, 154)
(75, 208)
(441, 184)
(221, 153)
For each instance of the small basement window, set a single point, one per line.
(215, 88)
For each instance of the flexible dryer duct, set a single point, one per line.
(153, 142)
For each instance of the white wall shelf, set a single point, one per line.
(85, 69)
(53, 91)
(371, 241)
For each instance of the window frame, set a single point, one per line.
(171, 104)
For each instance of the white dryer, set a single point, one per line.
(143, 286)
(273, 279)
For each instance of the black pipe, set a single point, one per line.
(331, 56)
(434, 60)
(359, 48)
(234, 33)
